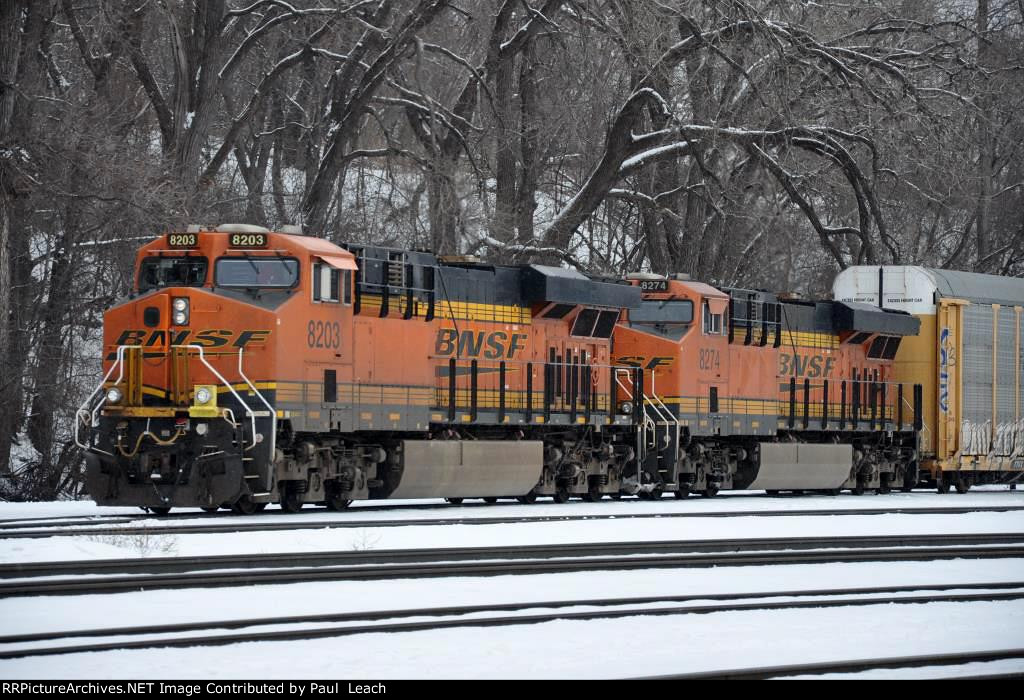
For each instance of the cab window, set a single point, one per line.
(670, 318)
(331, 285)
(257, 272)
(326, 283)
(156, 273)
(712, 322)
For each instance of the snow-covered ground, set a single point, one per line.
(633, 646)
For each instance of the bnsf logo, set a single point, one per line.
(215, 338)
(944, 370)
(805, 366)
(641, 361)
(491, 346)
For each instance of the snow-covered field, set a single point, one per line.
(632, 646)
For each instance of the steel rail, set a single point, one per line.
(858, 665)
(523, 566)
(449, 617)
(161, 565)
(263, 524)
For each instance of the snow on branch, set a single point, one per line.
(677, 148)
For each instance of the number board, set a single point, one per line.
(182, 240)
(654, 285)
(247, 240)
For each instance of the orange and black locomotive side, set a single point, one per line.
(749, 390)
(252, 366)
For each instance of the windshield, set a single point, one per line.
(257, 272)
(669, 311)
(156, 273)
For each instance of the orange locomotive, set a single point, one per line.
(749, 390)
(252, 366)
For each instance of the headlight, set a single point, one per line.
(203, 395)
(114, 395)
(180, 311)
(626, 407)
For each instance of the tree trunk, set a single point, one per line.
(986, 144)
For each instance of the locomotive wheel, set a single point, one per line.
(454, 501)
(337, 503)
(245, 506)
(531, 497)
(291, 501)
(160, 511)
(683, 491)
(657, 493)
(491, 499)
(593, 494)
(561, 494)
(710, 492)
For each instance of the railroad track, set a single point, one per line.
(212, 633)
(928, 661)
(266, 524)
(105, 576)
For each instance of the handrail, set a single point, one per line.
(273, 413)
(118, 362)
(648, 422)
(674, 419)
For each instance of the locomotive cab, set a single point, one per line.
(186, 413)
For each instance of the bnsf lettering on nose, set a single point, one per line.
(489, 345)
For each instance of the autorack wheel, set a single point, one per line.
(963, 484)
(454, 501)
(491, 499)
(210, 509)
(943, 487)
(160, 510)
